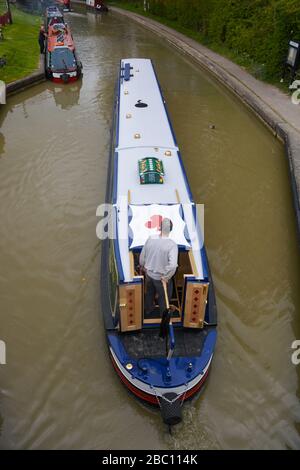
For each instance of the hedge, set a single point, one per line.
(256, 31)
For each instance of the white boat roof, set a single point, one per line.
(145, 131)
(150, 122)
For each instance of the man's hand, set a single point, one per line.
(164, 279)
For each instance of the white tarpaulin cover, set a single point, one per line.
(146, 222)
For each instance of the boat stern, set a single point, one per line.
(157, 380)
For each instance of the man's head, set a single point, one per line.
(166, 226)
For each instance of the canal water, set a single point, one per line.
(58, 389)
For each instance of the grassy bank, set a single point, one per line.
(253, 38)
(20, 46)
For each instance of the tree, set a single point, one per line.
(9, 11)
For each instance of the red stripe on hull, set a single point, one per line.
(59, 80)
(150, 398)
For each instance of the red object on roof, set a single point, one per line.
(60, 35)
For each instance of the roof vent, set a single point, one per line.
(151, 171)
(126, 72)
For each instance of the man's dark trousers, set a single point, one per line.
(153, 287)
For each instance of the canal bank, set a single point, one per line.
(58, 389)
(28, 81)
(20, 48)
(272, 106)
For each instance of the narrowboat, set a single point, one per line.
(53, 15)
(64, 4)
(98, 6)
(61, 61)
(147, 182)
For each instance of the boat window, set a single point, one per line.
(62, 58)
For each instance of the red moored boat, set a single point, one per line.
(62, 64)
(97, 5)
(64, 4)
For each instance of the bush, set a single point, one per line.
(256, 29)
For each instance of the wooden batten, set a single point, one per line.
(193, 263)
(131, 304)
(195, 304)
(131, 260)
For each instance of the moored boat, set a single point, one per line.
(98, 6)
(64, 4)
(146, 183)
(61, 61)
(53, 15)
